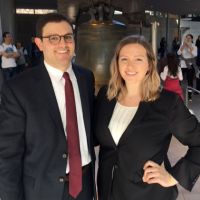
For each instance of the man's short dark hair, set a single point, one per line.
(51, 17)
(5, 34)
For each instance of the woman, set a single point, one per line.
(197, 44)
(187, 53)
(134, 123)
(22, 63)
(172, 75)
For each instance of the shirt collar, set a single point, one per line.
(56, 73)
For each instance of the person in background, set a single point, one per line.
(163, 47)
(188, 52)
(22, 63)
(34, 53)
(134, 123)
(198, 64)
(197, 44)
(1, 82)
(172, 75)
(46, 146)
(9, 55)
(175, 45)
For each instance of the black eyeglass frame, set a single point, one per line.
(69, 37)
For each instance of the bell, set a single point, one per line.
(96, 42)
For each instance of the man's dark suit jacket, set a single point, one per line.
(33, 145)
(147, 137)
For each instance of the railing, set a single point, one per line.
(186, 93)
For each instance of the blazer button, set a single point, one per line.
(64, 155)
(61, 179)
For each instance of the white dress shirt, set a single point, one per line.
(58, 83)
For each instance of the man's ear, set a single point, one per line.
(38, 42)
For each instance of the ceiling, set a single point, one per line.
(179, 7)
(50, 4)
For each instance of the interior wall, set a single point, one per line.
(25, 27)
(7, 12)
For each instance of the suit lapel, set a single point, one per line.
(44, 84)
(139, 115)
(107, 114)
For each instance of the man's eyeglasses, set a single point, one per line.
(55, 39)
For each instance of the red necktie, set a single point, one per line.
(75, 171)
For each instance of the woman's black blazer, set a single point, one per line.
(147, 137)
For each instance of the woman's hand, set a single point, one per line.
(154, 173)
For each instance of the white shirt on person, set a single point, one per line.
(187, 54)
(121, 118)
(8, 62)
(22, 53)
(58, 83)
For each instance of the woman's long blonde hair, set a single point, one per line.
(151, 82)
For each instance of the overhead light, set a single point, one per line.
(34, 11)
(25, 11)
(150, 12)
(117, 12)
(186, 19)
(44, 11)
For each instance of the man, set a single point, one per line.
(188, 51)
(35, 123)
(9, 53)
